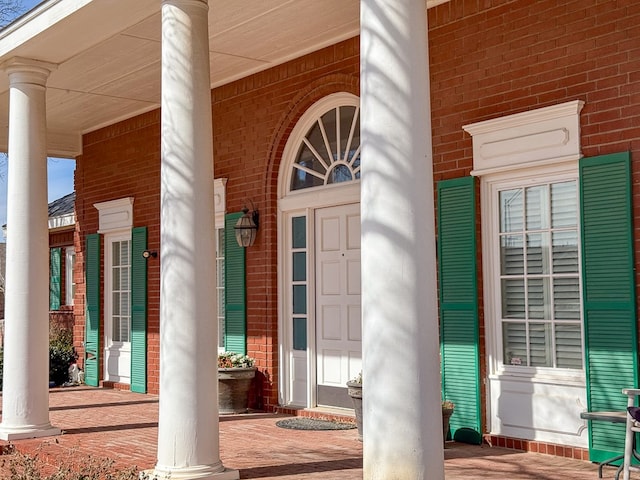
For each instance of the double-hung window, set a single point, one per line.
(539, 278)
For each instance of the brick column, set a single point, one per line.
(25, 393)
(401, 372)
(188, 428)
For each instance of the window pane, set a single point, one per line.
(340, 173)
(537, 253)
(299, 333)
(539, 343)
(537, 208)
(569, 346)
(124, 304)
(124, 329)
(540, 284)
(116, 279)
(564, 207)
(511, 211)
(515, 343)
(316, 140)
(538, 292)
(306, 158)
(116, 303)
(220, 272)
(299, 232)
(511, 255)
(301, 179)
(124, 278)
(346, 119)
(566, 298)
(329, 122)
(299, 299)
(565, 252)
(355, 144)
(124, 253)
(299, 266)
(116, 329)
(115, 249)
(513, 298)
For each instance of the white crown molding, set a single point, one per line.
(115, 214)
(527, 138)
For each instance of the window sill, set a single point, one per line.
(564, 377)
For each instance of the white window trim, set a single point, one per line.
(298, 134)
(490, 185)
(542, 145)
(69, 253)
(109, 239)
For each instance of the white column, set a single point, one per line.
(401, 369)
(25, 393)
(188, 427)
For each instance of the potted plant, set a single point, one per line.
(235, 373)
(447, 411)
(354, 389)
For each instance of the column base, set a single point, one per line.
(13, 433)
(194, 473)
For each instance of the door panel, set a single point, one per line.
(338, 311)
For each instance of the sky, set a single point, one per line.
(60, 170)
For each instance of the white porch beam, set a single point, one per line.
(188, 426)
(25, 395)
(401, 373)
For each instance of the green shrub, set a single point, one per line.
(61, 355)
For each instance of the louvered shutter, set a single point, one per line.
(54, 278)
(459, 335)
(235, 339)
(138, 310)
(608, 294)
(92, 316)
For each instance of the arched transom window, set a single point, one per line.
(329, 152)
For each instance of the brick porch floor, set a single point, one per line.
(123, 426)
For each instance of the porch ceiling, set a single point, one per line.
(108, 53)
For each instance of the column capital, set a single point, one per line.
(28, 70)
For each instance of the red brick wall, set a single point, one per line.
(252, 118)
(494, 58)
(488, 59)
(121, 161)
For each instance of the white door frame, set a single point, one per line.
(110, 347)
(303, 203)
(296, 203)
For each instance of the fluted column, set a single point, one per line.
(25, 392)
(401, 384)
(188, 427)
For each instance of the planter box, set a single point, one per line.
(233, 389)
(355, 392)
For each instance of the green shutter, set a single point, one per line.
(138, 310)
(459, 337)
(54, 279)
(235, 339)
(608, 294)
(92, 317)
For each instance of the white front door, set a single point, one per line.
(338, 311)
(117, 293)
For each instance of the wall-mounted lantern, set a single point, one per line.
(247, 227)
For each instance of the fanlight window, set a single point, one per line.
(330, 151)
